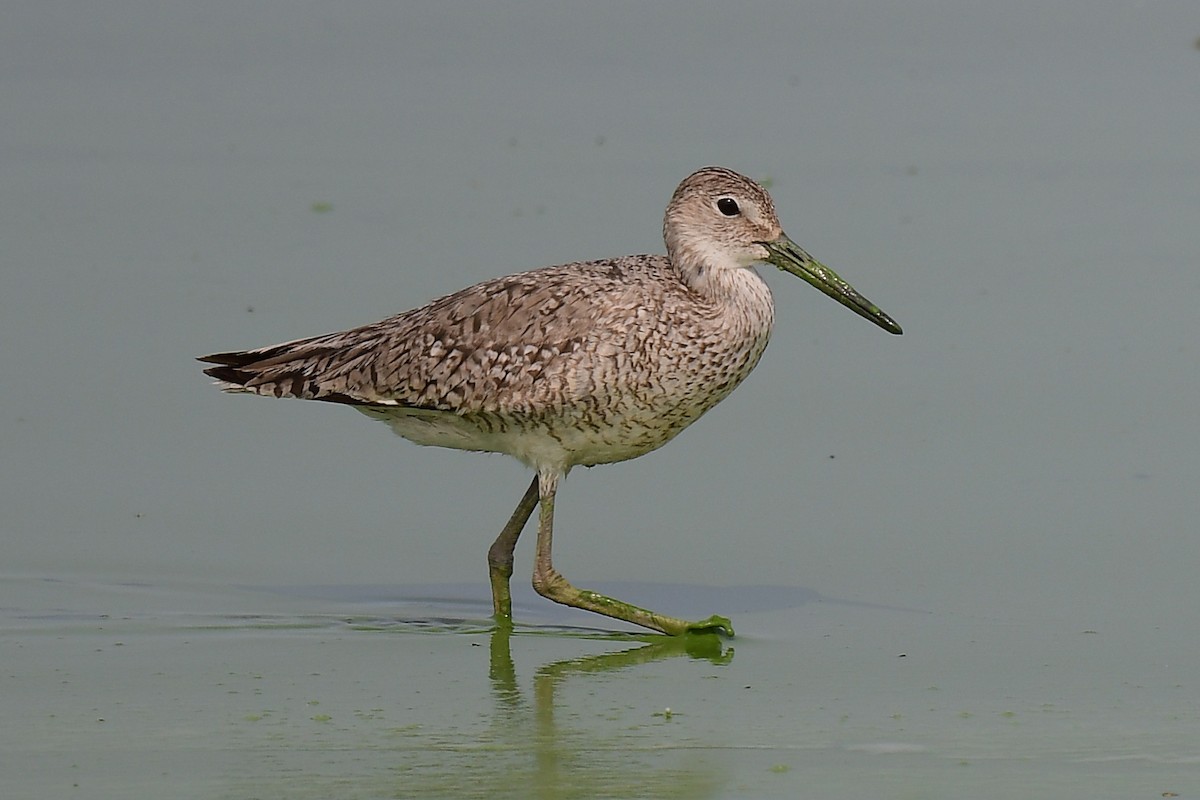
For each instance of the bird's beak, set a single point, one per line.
(790, 257)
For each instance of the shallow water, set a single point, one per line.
(961, 562)
(119, 690)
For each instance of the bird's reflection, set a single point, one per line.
(587, 725)
(562, 761)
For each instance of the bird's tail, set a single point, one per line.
(291, 369)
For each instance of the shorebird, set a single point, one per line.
(574, 365)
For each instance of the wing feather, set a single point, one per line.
(490, 347)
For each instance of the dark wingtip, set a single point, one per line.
(230, 366)
(227, 373)
(238, 358)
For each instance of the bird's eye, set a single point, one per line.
(728, 206)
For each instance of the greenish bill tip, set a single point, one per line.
(790, 257)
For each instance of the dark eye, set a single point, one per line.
(728, 206)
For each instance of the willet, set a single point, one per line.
(574, 365)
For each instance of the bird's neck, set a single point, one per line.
(743, 294)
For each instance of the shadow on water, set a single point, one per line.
(685, 599)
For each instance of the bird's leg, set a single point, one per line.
(500, 554)
(549, 582)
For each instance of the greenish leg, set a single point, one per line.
(500, 554)
(549, 582)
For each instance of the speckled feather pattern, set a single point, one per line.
(579, 364)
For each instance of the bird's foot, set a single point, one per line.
(501, 597)
(714, 624)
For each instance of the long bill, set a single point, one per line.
(790, 257)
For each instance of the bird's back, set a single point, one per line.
(612, 357)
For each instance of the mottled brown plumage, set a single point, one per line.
(579, 364)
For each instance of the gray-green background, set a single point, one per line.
(961, 561)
